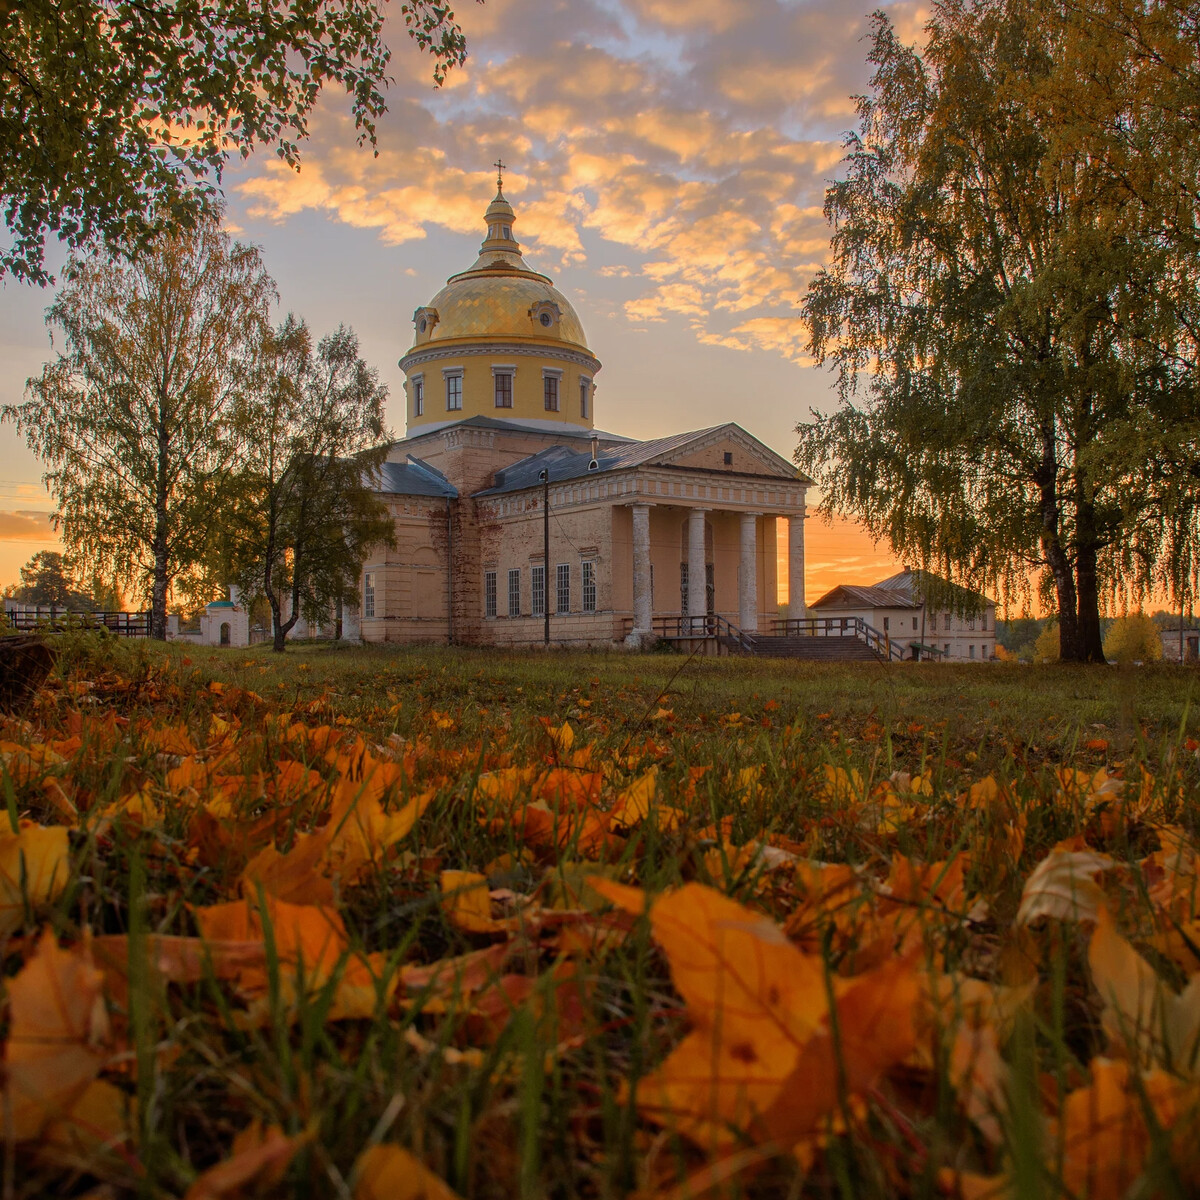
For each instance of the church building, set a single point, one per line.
(511, 506)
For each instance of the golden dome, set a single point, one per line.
(499, 298)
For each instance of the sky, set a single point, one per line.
(667, 161)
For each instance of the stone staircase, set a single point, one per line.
(812, 649)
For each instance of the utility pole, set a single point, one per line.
(545, 478)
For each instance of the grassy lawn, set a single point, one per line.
(395, 923)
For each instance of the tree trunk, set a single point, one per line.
(1056, 556)
(161, 580)
(1091, 644)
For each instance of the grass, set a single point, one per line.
(526, 1091)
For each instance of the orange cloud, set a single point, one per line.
(694, 138)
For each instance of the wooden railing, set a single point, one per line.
(881, 643)
(50, 616)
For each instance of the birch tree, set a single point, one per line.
(306, 515)
(994, 311)
(134, 416)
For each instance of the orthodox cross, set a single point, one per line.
(499, 165)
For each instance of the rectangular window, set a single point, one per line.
(550, 389)
(537, 581)
(683, 588)
(368, 606)
(983, 624)
(886, 620)
(589, 586)
(504, 389)
(946, 622)
(971, 624)
(418, 397)
(514, 593)
(562, 590)
(585, 391)
(947, 648)
(489, 593)
(453, 393)
(970, 651)
(914, 624)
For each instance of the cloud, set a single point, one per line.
(685, 145)
(26, 525)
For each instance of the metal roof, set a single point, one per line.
(564, 463)
(850, 595)
(414, 478)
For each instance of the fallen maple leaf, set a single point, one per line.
(34, 865)
(259, 1156)
(1062, 886)
(57, 1037)
(393, 1173)
(468, 903)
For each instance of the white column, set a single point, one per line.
(643, 613)
(351, 622)
(796, 607)
(697, 575)
(748, 574)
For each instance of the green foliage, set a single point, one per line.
(134, 419)
(1004, 328)
(1133, 638)
(116, 118)
(46, 580)
(312, 439)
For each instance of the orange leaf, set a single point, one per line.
(57, 1035)
(260, 1156)
(393, 1173)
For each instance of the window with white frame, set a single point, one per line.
(537, 588)
(585, 396)
(550, 382)
(453, 390)
(502, 378)
(418, 395)
(588, 572)
(562, 588)
(489, 593)
(368, 606)
(514, 592)
(971, 624)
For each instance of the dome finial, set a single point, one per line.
(499, 165)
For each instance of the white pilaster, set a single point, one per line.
(748, 574)
(697, 575)
(643, 613)
(796, 607)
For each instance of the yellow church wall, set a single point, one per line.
(410, 577)
(479, 392)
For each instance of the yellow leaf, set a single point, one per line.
(393, 1173)
(33, 868)
(58, 1030)
(633, 804)
(465, 900)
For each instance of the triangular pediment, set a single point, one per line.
(723, 448)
